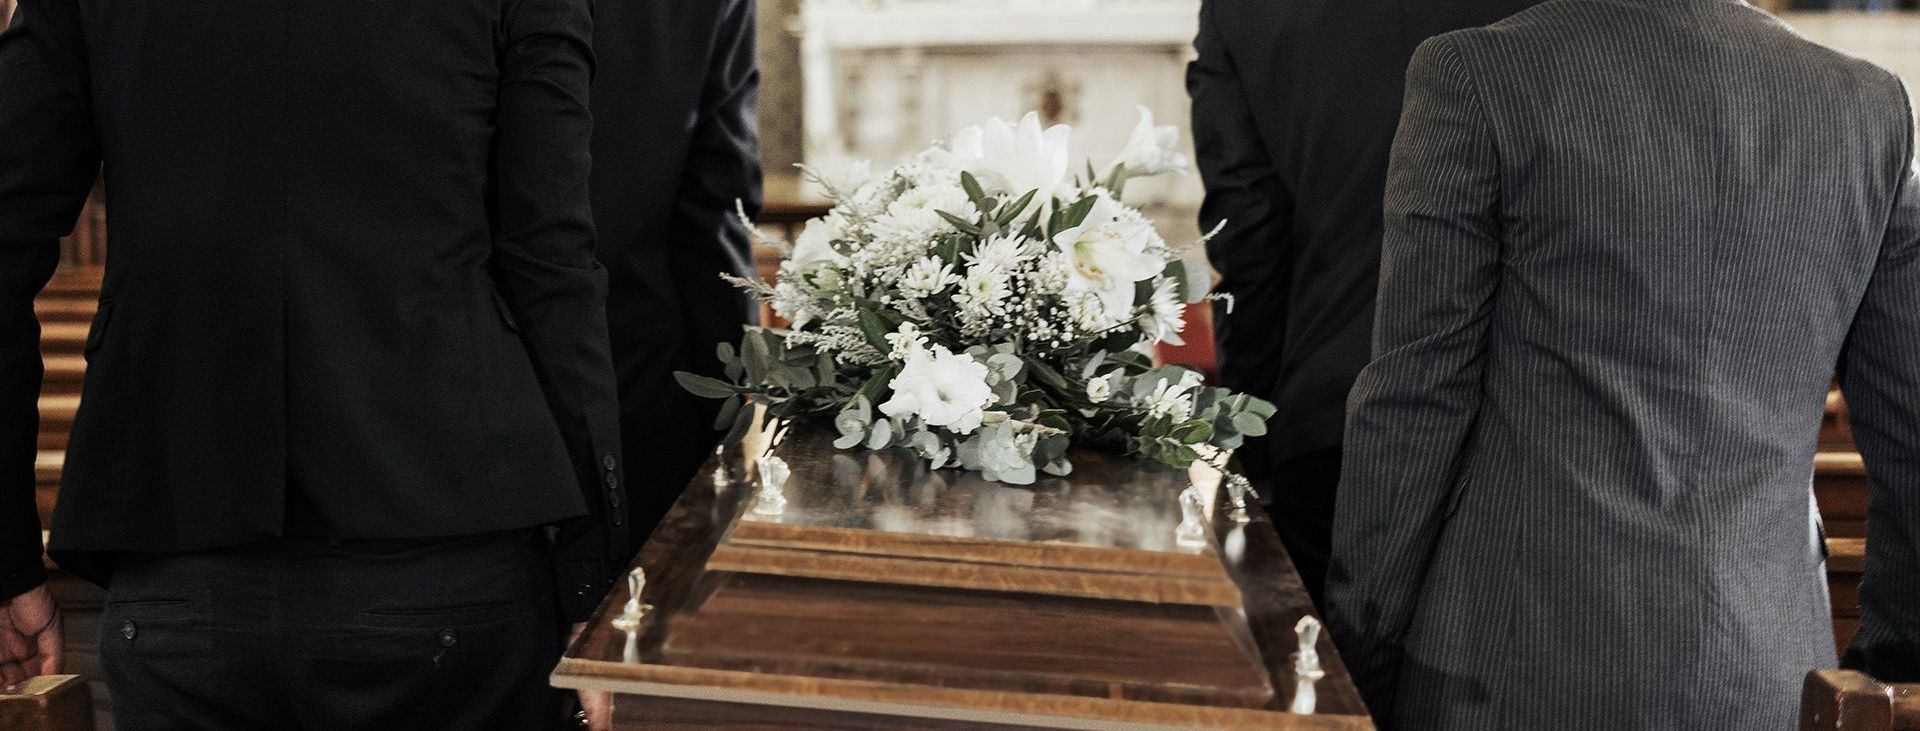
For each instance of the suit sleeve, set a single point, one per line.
(48, 161)
(1880, 374)
(1244, 192)
(545, 267)
(1412, 410)
(722, 168)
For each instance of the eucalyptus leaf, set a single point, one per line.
(742, 421)
(881, 435)
(704, 386)
(729, 410)
(1193, 432)
(754, 356)
(823, 369)
(1249, 424)
(799, 378)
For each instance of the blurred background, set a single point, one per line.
(880, 79)
(877, 79)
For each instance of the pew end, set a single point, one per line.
(1847, 700)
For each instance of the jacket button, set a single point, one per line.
(129, 630)
(448, 637)
(612, 482)
(608, 461)
(613, 498)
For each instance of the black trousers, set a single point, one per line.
(1301, 492)
(303, 633)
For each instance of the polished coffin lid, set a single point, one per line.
(1106, 532)
(884, 588)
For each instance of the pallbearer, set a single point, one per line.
(1294, 105)
(1627, 244)
(676, 160)
(675, 157)
(349, 405)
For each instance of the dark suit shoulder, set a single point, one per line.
(1639, 35)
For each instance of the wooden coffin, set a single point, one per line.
(887, 596)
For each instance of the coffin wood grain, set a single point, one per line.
(974, 575)
(902, 677)
(1106, 532)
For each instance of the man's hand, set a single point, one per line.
(597, 704)
(29, 636)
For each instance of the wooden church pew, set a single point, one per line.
(1845, 700)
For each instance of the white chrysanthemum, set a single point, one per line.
(927, 277)
(1000, 254)
(1015, 159)
(915, 215)
(983, 292)
(942, 388)
(1108, 253)
(1166, 314)
(814, 246)
(1173, 399)
(1151, 150)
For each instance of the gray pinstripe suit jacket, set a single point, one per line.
(1627, 244)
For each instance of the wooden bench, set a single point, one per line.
(1845, 700)
(1846, 560)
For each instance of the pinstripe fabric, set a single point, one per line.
(1626, 241)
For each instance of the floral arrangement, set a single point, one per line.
(981, 306)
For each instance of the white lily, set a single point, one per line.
(1150, 150)
(1108, 253)
(1015, 159)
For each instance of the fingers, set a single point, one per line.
(13, 673)
(14, 645)
(51, 650)
(29, 636)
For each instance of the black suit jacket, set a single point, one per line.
(351, 258)
(1294, 109)
(675, 146)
